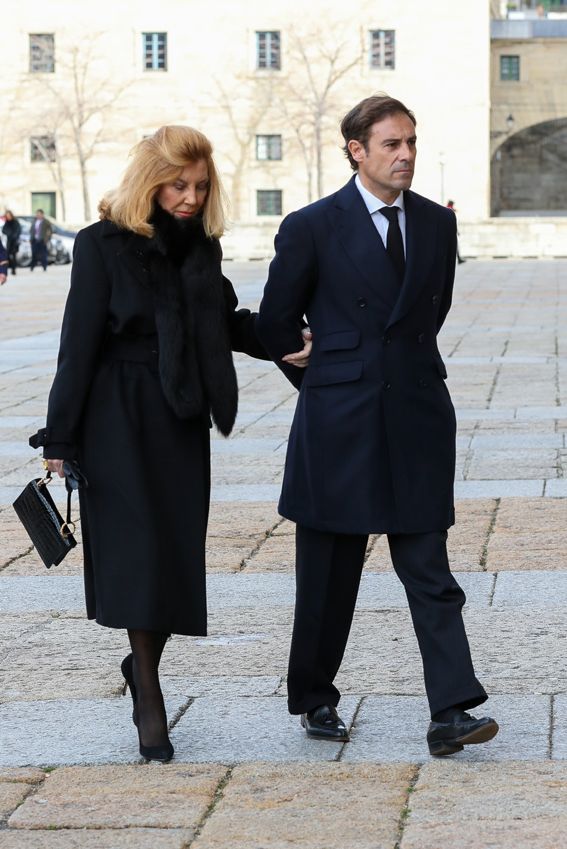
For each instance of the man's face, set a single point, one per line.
(386, 168)
(39, 215)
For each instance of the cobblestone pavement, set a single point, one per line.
(245, 776)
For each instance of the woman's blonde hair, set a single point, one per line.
(156, 160)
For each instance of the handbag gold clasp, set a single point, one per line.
(67, 529)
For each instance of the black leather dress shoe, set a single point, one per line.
(446, 738)
(324, 723)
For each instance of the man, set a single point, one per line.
(372, 445)
(451, 205)
(40, 234)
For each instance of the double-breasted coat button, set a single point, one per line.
(420, 338)
(386, 340)
(386, 385)
(362, 302)
(422, 383)
(434, 299)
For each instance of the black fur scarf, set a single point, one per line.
(195, 358)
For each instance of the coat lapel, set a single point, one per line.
(361, 241)
(421, 240)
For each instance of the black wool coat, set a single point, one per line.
(145, 359)
(372, 444)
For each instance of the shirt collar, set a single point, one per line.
(373, 204)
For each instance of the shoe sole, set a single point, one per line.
(481, 735)
(320, 736)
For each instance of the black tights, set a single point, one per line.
(147, 648)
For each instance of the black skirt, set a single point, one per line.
(144, 514)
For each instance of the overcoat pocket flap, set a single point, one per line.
(333, 373)
(342, 340)
(441, 368)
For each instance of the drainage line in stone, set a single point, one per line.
(406, 810)
(181, 712)
(16, 558)
(269, 533)
(551, 727)
(219, 793)
(353, 723)
(492, 589)
(492, 525)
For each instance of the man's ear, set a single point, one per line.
(356, 150)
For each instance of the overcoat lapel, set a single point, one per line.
(361, 241)
(421, 241)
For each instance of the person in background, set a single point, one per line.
(12, 229)
(451, 206)
(40, 234)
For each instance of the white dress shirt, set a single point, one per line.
(374, 204)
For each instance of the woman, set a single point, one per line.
(145, 360)
(12, 229)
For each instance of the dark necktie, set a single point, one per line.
(394, 241)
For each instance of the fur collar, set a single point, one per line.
(195, 362)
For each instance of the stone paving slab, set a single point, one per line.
(235, 730)
(324, 806)
(78, 797)
(512, 806)
(498, 488)
(393, 728)
(11, 795)
(379, 591)
(559, 743)
(74, 731)
(99, 838)
(532, 589)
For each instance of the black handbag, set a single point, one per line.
(52, 537)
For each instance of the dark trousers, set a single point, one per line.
(39, 254)
(12, 251)
(328, 571)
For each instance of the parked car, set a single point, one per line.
(59, 248)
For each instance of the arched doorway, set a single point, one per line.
(529, 171)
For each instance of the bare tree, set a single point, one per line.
(319, 61)
(245, 115)
(77, 104)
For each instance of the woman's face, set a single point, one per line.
(186, 195)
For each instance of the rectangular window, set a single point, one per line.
(269, 202)
(509, 67)
(45, 201)
(42, 53)
(383, 48)
(42, 149)
(268, 147)
(268, 50)
(154, 45)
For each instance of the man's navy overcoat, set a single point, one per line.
(372, 444)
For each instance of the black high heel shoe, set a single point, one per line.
(128, 673)
(162, 753)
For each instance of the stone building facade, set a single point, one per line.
(268, 82)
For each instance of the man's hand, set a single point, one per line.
(301, 358)
(2, 278)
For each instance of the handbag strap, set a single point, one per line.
(68, 527)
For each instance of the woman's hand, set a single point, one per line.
(55, 466)
(301, 358)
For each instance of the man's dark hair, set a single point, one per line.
(359, 121)
(40, 210)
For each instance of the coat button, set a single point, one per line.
(386, 340)
(386, 385)
(420, 338)
(362, 302)
(434, 299)
(422, 383)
